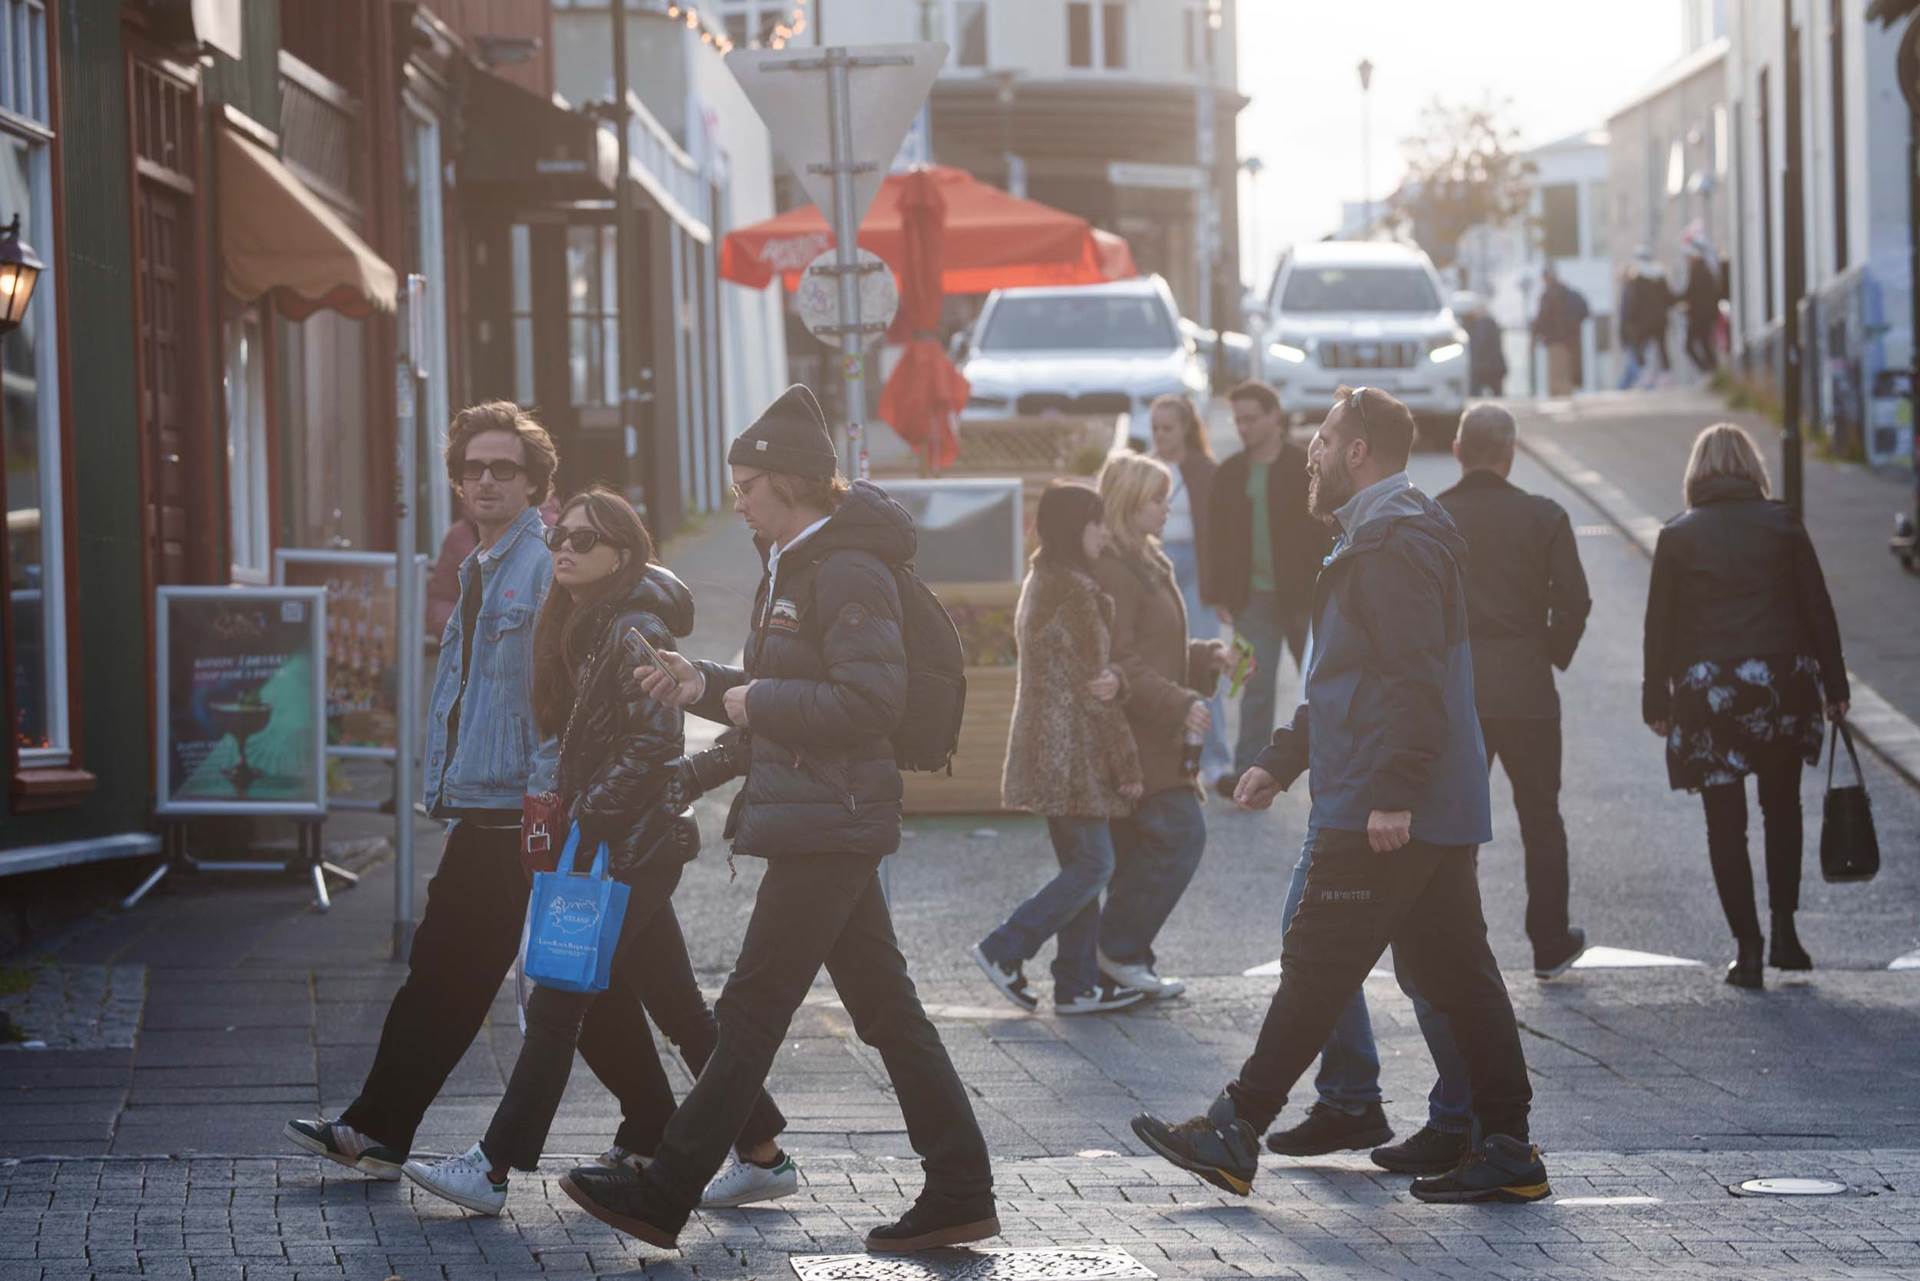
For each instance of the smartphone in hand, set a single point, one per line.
(641, 650)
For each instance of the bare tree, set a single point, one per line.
(1463, 171)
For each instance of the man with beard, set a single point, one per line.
(1392, 741)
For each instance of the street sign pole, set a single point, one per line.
(407, 624)
(846, 238)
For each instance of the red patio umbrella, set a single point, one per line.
(992, 240)
(926, 392)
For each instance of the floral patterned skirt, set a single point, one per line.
(1727, 717)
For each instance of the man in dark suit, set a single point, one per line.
(1264, 549)
(1527, 606)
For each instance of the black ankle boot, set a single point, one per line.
(1786, 953)
(1745, 970)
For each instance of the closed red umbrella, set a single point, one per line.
(925, 393)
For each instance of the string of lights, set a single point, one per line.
(716, 37)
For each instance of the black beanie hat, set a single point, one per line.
(790, 436)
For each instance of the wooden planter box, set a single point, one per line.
(974, 786)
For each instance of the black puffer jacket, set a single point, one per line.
(829, 673)
(1735, 577)
(612, 777)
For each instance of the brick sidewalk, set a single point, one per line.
(291, 1219)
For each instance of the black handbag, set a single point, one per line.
(1849, 850)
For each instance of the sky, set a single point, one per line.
(1566, 66)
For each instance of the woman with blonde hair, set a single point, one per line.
(1742, 662)
(1180, 441)
(1168, 677)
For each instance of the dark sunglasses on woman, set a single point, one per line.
(577, 541)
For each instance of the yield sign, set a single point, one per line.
(885, 86)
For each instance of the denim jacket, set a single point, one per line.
(498, 756)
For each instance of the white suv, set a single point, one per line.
(1368, 314)
(1086, 349)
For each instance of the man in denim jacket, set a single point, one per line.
(483, 757)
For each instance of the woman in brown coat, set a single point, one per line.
(1169, 676)
(1070, 758)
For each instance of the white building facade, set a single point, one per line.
(1853, 127)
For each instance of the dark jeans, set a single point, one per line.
(466, 942)
(1268, 627)
(652, 974)
(1156, 850)
(1424, 900)
(1778, 781)
(1700, 349)
(814, 910)
(1530, 750)
(1066, 909)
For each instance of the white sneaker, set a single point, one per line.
(1105, 997)
(1140, 977)
(464, 1180)
(743, 1183)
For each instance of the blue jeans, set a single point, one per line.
(1349, 1077)
(1201, 623)
(1267, 627)
(1156, 850)
(1067, 908)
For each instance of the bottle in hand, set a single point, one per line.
(1190, 744)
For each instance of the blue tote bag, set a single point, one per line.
(573, 923)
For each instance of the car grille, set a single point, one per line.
(1092, 402)
(1369, 355)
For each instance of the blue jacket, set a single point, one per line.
(498, 755)
(1389, 721)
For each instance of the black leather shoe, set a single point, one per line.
(1786, 952)
(934, 1221)
(1745, 970)
(1429, 1151)
(1562, 959)
(1328, 1129)
(626, 1200)
(1219, 1147)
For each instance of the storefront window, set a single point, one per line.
(593, 316)
(30, 404)
(323, 382)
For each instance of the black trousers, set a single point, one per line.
(1424, 900)
(1778, 782)
(817, 910)
(1700, 349)
(462, 951)
(651, 971)
(1530, 750)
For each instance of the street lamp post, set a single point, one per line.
(1366, 140)
(1254, 167)
(20, 270)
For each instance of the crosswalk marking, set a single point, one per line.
(1620, 958)
(1911, 961)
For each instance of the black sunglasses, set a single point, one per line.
(577, 541)
(503, 469)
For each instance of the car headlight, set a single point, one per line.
(1447, 350)
(1288, 352)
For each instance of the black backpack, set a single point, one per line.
(929, 732)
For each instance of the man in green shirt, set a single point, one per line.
(1266, 549)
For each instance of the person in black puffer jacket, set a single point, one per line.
(619, 781)
(822, 690)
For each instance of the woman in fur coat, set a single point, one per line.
(1070, 758)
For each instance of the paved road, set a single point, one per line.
(1650, 1083)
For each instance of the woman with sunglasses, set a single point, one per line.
(619, 780)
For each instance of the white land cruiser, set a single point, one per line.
(1085, 349)
(1369, 314)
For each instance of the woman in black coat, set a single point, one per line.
(620, 782)
(1743, 667)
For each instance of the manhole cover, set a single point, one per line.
(975, 1265)
(1790, 1187)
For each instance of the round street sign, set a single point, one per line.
(818, 299)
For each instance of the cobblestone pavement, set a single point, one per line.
(1656, 1214)
(78, 1007)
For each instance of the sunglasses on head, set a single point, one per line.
(577, 541)
(503, 469)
